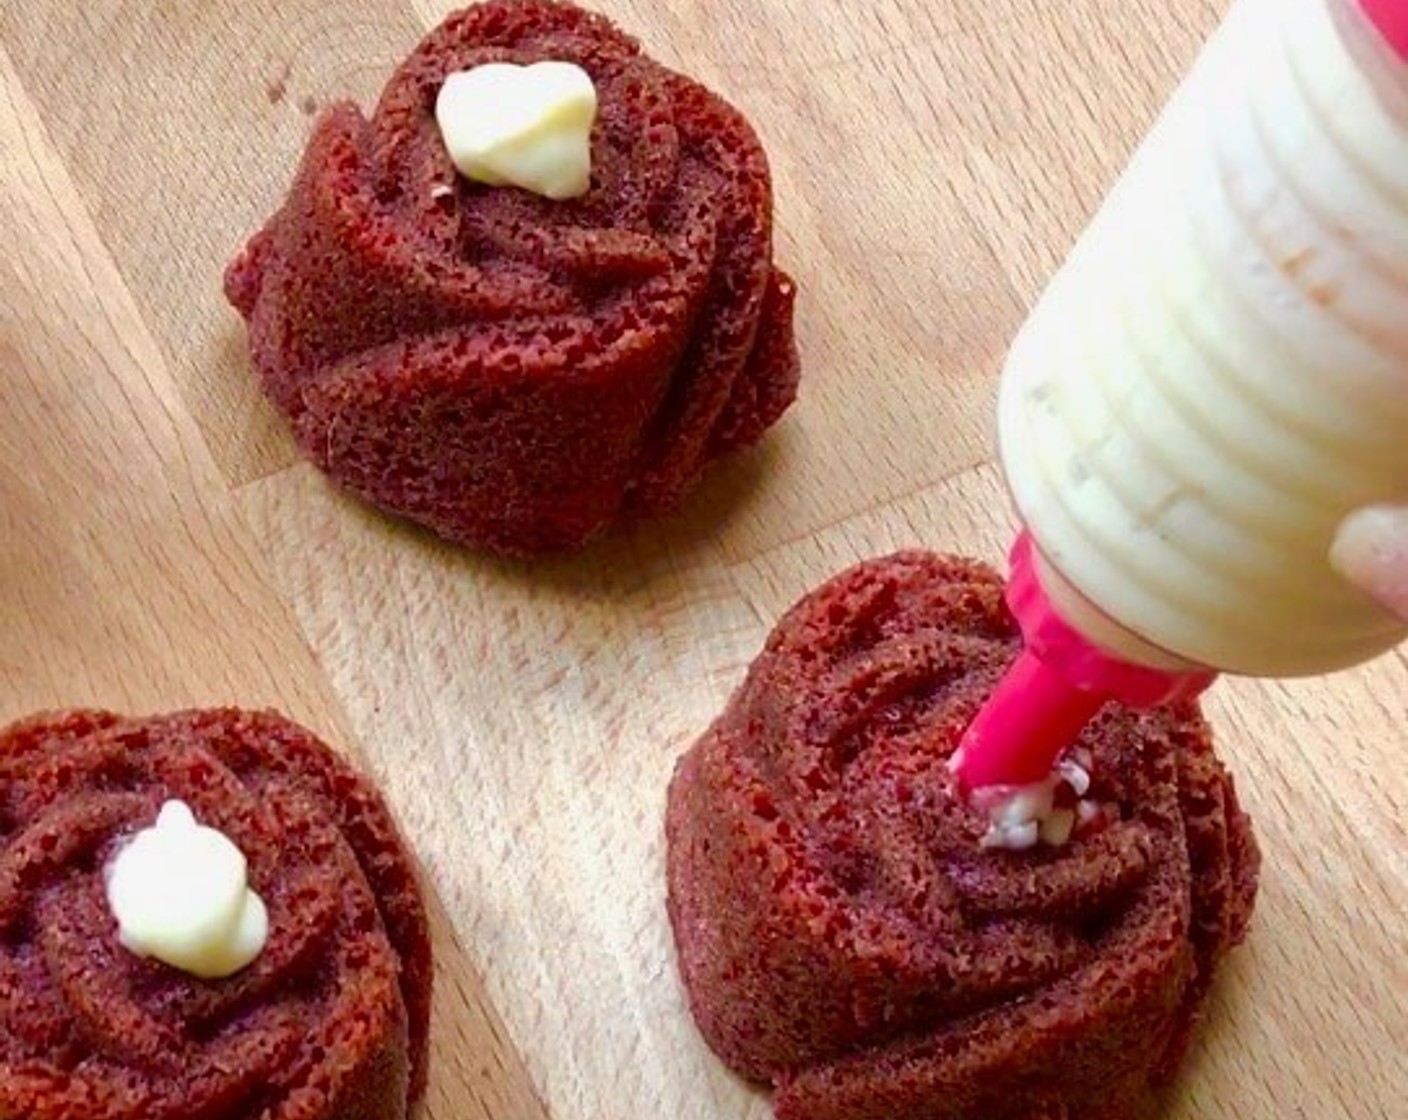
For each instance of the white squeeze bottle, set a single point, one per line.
(1212, 384)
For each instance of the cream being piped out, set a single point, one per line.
(1212, 390)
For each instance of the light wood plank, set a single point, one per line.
(181, 124)
(129, 578)
(533, 716)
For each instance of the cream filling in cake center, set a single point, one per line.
(521, 126)
(180, 893)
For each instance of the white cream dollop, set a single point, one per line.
(180, 893)
(522, 126)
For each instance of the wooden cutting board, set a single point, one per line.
(161, 545)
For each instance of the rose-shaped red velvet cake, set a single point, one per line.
(843, 933)
(511, 371)
(328, 1023)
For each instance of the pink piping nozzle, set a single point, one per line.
(1053, 689)
(1391, 18)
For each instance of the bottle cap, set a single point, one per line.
(1084, 665)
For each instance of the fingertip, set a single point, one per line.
(1371, 551)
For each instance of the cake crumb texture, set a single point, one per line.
(330, 1022)
(513, 372)
(844, 936)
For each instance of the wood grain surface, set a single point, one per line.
(161, 545)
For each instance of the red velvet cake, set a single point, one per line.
(328, 1023)
(514, 372)
(844, 934)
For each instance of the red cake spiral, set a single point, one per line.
(328, 1023)
(511, 371)
(841, 930)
